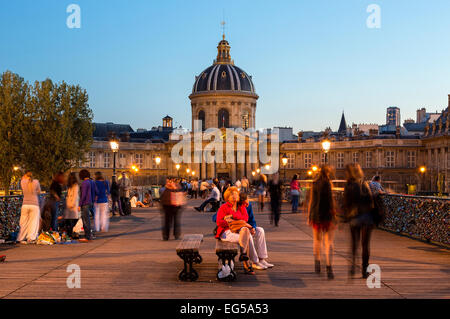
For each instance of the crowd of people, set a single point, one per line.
(234, 218)
(86, 198)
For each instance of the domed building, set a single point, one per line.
(223, 94)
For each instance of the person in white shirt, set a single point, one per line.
(238, 184)
(214, 197)
(135, 202)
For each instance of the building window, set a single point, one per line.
(340, 160)
(390, 159)
(139, 160)
(368, 159)
(106, 160)
(322, 158)
(92, 159)
(122, 160)
(411, 159)
(355, 158)
(223, 118)
(201, 117)
(308, 160)
(245, 120)
(291, 160)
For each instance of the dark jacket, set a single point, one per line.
(275, 191)
(322, 206)
(357, 201)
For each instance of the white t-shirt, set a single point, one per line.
(133, 201)
(215, 193)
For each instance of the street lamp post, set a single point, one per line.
(422, 170)
(115, 148)
(326, 144)
(284, 161)
(157, 161)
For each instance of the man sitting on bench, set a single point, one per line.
(214, 197)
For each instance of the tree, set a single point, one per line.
(59, 128)
(14, 94)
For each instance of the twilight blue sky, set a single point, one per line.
(310, 59)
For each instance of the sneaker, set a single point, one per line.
(248, 269)
(265, 263)
(259, 266)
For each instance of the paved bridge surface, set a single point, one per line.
(131, 261)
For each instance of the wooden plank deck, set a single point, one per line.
(132, 261)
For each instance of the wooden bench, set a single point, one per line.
(187, 250)
(226, 252)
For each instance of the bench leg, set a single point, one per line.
(189, 273)
(227, 259)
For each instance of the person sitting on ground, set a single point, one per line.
(148, 200)
(214, 197)
(259, 238)
(135, 202)
(232, 226)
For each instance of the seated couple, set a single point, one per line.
(214, 198)
(236, 224)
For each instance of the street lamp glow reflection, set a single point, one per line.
(314, 168)
(422, 169)
(157, 160)
(187, 170)
(253, 173)
(258, 170)
(284, 160)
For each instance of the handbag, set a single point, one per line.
(236, 225)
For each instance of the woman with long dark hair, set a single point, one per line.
(358, 204)
(322, 218)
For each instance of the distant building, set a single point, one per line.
(424, 117)
(393, 116)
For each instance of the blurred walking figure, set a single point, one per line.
(101, 221)
(86, 201)
(295, 193)
(275, 199)
(261, 190)
(115, 198)
(55, 198)
(245, 184)
(30, 214)
(172, 198)
(71, 213)
(358, 206)
(322, 219)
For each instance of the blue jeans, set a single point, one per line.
(206, 202)
(55, 209)
(295, 203)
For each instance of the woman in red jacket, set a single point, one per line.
(231, 211)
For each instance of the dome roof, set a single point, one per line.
(223, 75)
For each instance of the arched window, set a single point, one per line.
(201, 117)
(245, 120)
(223, 117)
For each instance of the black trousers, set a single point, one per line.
(363, 233)
(69, 224)
(275, 205)
(171, 215)
(86, 221)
